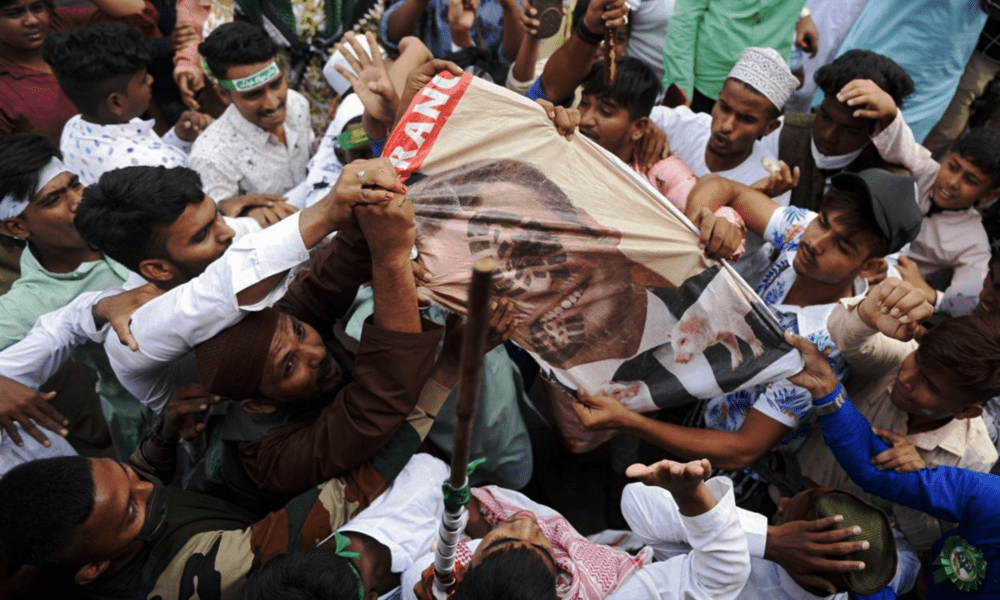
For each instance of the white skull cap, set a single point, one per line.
(766, 71)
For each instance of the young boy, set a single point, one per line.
(102, 70)
(952, 236)
(261, 143)
(616, 116)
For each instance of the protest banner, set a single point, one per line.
(612, 292)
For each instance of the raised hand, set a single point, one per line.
(780, 180)
(370, 80)
(684, 481)
(895, 308)
(420, 77)
(910, 273)
(21, 404)
(872, 102)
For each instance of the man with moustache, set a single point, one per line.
(261, 143)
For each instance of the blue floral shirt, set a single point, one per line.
(783, 401)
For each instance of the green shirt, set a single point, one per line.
(39, 291)
(706, 38)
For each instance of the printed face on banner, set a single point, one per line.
(572, 284)
(610, 289)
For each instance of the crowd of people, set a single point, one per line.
(220, 377)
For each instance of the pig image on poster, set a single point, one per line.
(700, 328)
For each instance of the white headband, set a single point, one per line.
(11, 207)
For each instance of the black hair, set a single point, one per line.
(439, 196)
(309, 574)
(236, 44)
(981, 147)
(635, 88)
(484, 63)
(22, 156)
(512, 574)
(49, 4)
(773, 112)
(857, 217)
(91, 62)
(121, 214)
(865, 64)
(966, 350)
(42, 505)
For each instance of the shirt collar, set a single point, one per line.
(255, 133)
(30, 264)
(135, 127)
(952, 437)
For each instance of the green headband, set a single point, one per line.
(245, 84)
(353, 138)
(342, 542)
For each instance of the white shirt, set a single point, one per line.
(324, 171)
(406, 518)
(653, 516)
(168, 327)
(688, 133)
(90, 150)
(950, 239)
(235, 157)
(12, 455)
(717, 564)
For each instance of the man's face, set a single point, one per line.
(570, 278)
(48, 219)
(608, 124)
(263, 106)
(740, 117)
(989, 297)
(120, 502)
(138, 93)
(837, 131)
(924, 391)
(24, 24)
(520, 530)
(827, 254)
(197, 238)
(960, 184)
(298, 364)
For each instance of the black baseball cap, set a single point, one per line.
(893, 200)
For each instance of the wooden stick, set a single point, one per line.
(610, 55)
(471, 368)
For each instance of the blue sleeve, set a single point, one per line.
(943, 492)
(535, 93)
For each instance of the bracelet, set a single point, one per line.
(830, 403)
(587, 36)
